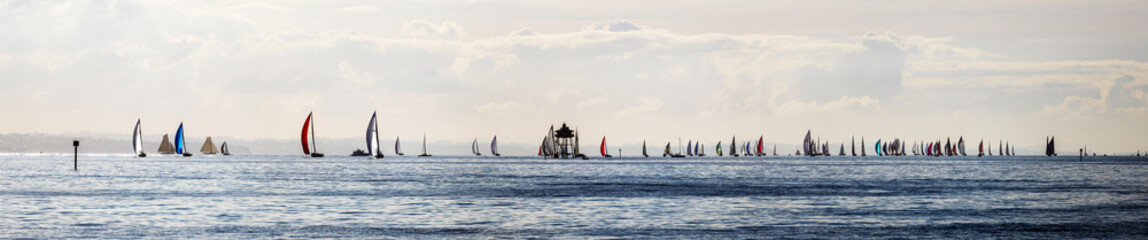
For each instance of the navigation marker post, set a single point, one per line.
(76, 155)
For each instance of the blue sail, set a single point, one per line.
(689, 150)
(696, 148)
(179, 139)
(877, 148)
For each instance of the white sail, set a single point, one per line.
(474, 148)
(137, 140)
(806, 144)
(373, 137)
(494, 146)
(398, 149)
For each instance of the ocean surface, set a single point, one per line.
(121, 196)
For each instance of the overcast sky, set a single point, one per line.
(627, 70)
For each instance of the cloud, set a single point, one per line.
(419, 28)
(873, 70)
(1121, 95)
(360, 8)
(616, 25)
(503, 107)
(593, 102)
(525, 32)
(641, 106)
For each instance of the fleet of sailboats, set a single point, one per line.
(810, 146)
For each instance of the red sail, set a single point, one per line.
(306, 125)
(603, 148)
(759, 143)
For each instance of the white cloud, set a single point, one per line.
(420, 28)
(504, 107)
(616, 25)
(641, 106)
(360, 8)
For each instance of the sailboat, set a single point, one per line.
(842, 152)
(853, 145)
(208, 147)
(1000, 150)
(689, 149)
(981, 149)
(961, 145)
(644, 149)
(775, 149)
(137, 140)
(398, 149)
(224, 150)
(180, 143)
(700, 150)
(718, 149)
(165, 146)
(760, 142)
(805, 144)
(494, 146)
(424, 146)
(372, 138)
(862, 146)
(733, 146)
(1050, 147)
(877, 148)
(474, 148)
(990, 151)
(1007, 153)
(603, 148)
(314, 146)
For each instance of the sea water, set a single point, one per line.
(120, 196)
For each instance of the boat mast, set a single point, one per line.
(378, 149)
(314, 145)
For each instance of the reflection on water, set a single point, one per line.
(834, 197)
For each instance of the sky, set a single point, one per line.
(630, 71)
